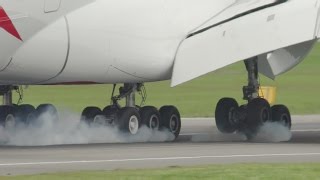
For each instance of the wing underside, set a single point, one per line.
(281, 33)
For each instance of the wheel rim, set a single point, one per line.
(154, 122)
(174, 123)
(284, 120)
(231, 116)
(133, 124)
(265, 115)
(10, 121)
(99, 120)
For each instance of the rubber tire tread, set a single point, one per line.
(166, 112)
(222, 112)
(278, 111)
(146, 113)
(123, 117)
(89, 113)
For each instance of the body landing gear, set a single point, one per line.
(12, 115)
(130, 118)
(248, 118)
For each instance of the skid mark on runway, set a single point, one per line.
(158, 159)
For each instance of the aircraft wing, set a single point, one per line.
(280, 33)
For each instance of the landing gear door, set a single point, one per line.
(51, 6)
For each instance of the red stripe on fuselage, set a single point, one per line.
(7, 25)
(74, 83)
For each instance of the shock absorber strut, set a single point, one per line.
(251, 91)
(6, 93)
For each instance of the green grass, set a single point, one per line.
(237, 171)
(298, 89)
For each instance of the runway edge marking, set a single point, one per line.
(155, 159)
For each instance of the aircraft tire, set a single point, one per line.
(7, 116)
(89, 114)
(110, 110)
(47, 108)
(281, 114)
(259, 112)
(25, 113)
(170, 119)
(128, 120)
(224, 115)
(150, 117)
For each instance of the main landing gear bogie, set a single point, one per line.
(130, 118)
(248, 118)
(26, 114)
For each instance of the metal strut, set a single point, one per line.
(6, 93)
(128, 92)
(251, 91)
(131, 96)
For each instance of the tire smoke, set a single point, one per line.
(270, 132)
(273, 132)
(48, 130)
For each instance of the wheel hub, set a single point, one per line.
(284, 119)
(154, 122)
(10, 121)
(232, 116)
(265, 115)
(100, 120)
(133, 125)
(174, 123)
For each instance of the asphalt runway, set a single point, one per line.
(199, 144)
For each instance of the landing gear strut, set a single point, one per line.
(248, 118)
(131, 117)
(7, 110)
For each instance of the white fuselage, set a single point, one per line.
(121, 41)
(101, 41)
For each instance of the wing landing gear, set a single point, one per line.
(248, 118)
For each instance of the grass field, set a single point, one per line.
(225, 172)
(299, 89)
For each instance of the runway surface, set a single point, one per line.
(199, 144)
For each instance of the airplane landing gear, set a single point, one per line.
(131, 117)
(248, 118)
(13, 114)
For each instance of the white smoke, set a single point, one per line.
(68, 130)
(270, 132)
(273, 132)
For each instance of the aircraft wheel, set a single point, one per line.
(170, 119)
(259, 112)
(110, 113)
(25, 113)
(281, 114)
(150, 116)
(225, 115)
(7, 116)
(44, 114)
(91, 115)
(128, 120)
(48, 109)
(110, 110)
